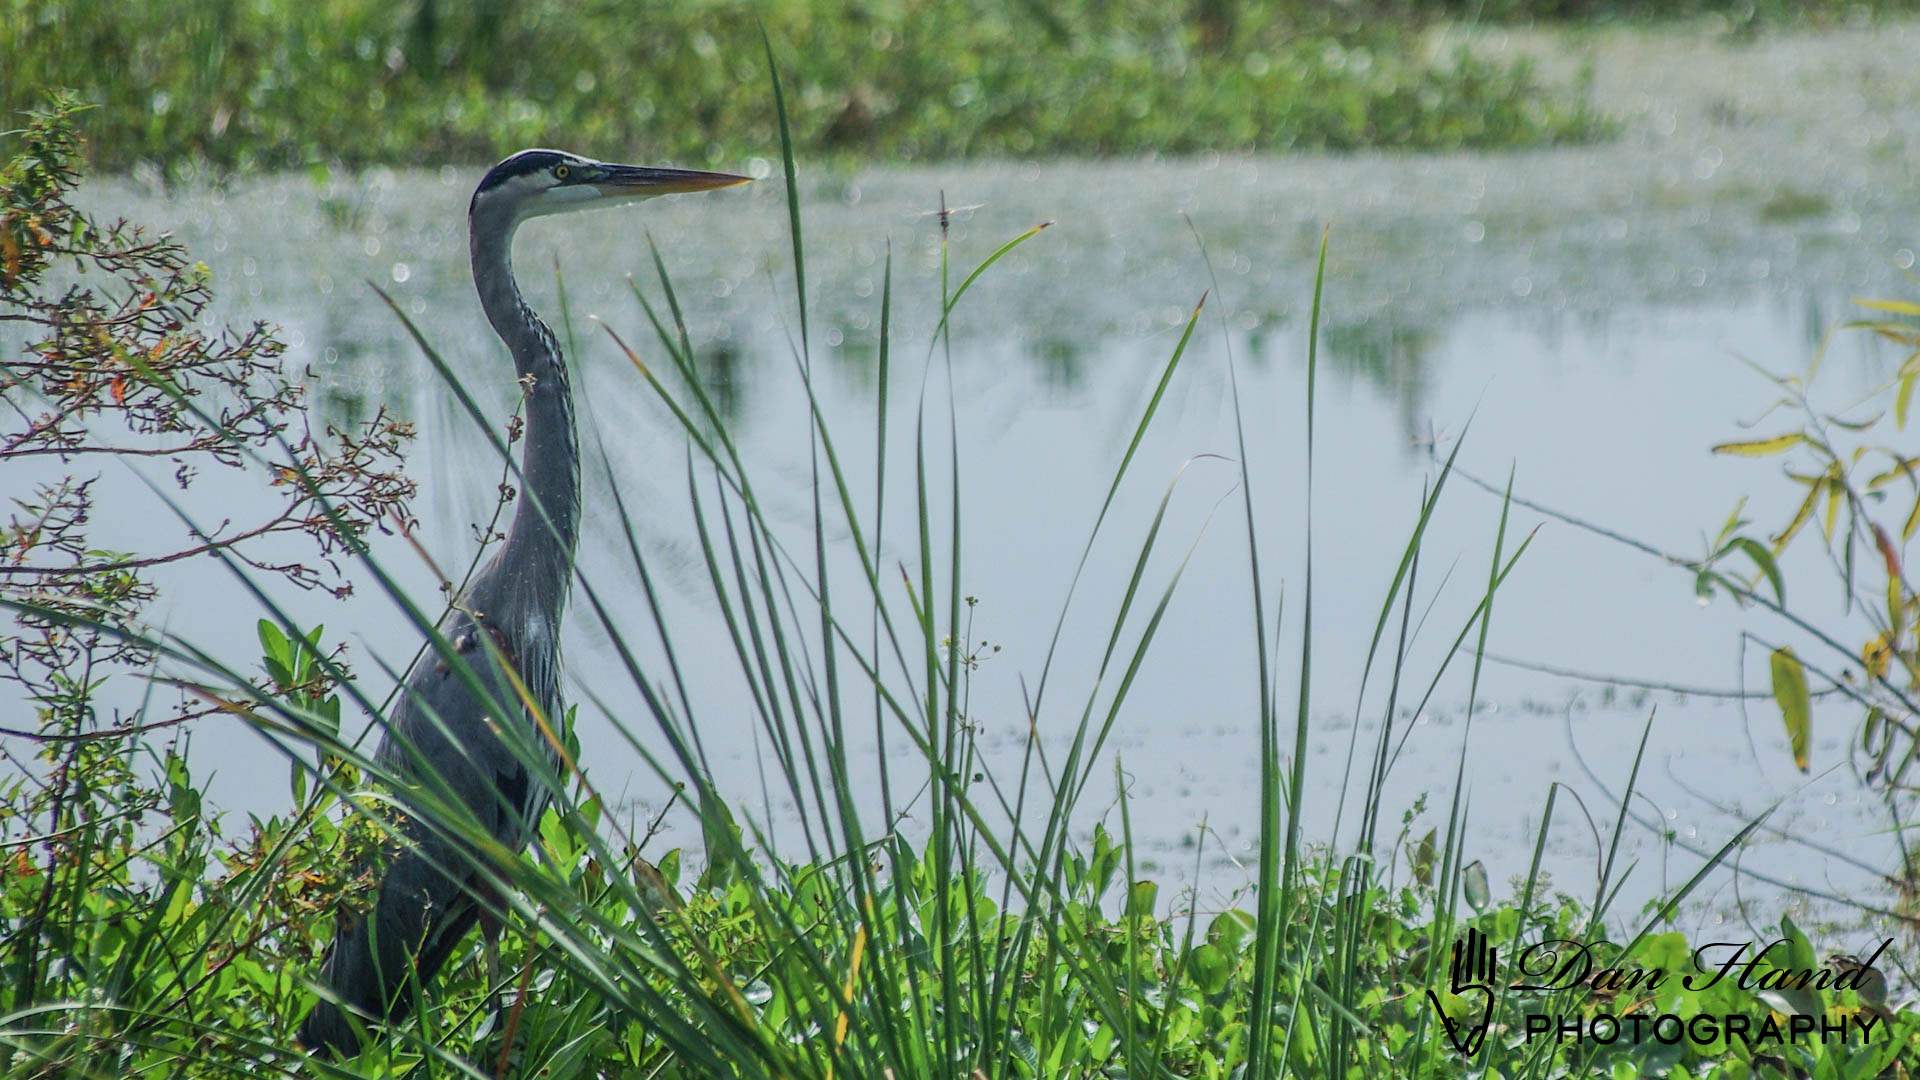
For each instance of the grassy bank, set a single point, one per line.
(281, 83)
(963, 929)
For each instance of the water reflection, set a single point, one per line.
(1392, 358)
(1061, 360)
(342, 407)
(719, 372)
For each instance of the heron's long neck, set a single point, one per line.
(537, 557)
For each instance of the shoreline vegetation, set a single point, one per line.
(209, 88)
(143, 936)
(225, 86)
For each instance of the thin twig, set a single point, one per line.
(1629, 681)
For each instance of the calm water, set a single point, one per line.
(1588, 311)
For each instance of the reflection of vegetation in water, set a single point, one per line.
(1389, 356)
(719, 370)
(1060, 361)
(857, 357)
(1791, 204)
(341, 407)
(1814, 323)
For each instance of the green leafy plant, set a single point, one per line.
(1862, 486)
(113, 863)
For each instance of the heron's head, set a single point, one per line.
(534, 183)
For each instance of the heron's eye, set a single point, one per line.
(560, 172)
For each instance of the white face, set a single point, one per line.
(563, 186)
(534, 183)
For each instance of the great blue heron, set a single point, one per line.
(440, 734)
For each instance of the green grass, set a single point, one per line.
(994, 940)
(289, 83)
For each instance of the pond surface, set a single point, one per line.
(1584, 315)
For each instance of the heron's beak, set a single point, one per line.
(641, 181)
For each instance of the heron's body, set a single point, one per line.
(461, 729)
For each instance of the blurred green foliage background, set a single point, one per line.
(277, 83)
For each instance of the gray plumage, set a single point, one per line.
(442, 736)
